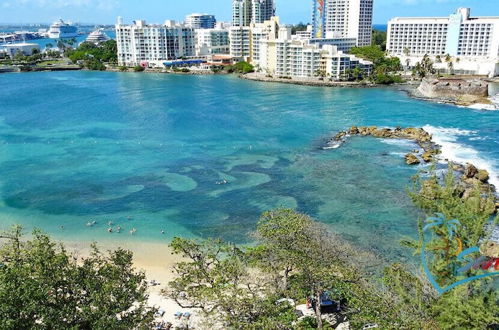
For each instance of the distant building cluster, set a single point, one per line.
(256, 35)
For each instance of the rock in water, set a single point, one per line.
(483, 176)
(470, 171)
(353, 130)
(411, 159)
(427, 156)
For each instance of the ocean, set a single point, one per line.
(149, 151)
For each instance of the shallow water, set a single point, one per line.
(145, 151)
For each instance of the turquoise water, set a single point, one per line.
(145, 151)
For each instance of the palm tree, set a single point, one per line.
(450, 65)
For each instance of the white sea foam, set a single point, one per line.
(399, 142)
(452, 150)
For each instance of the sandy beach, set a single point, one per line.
(156, 260)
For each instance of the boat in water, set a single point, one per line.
(97, 37)
(62, 30)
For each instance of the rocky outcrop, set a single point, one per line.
(411, 159)
(455, 90)
(471, 176)
(419, 135)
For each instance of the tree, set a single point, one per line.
(43, 286)
(293, 242)
(243, 67)
(94, 56)
(407, 51)
(299, 27)
(357, 73)
(216, 279)
(379, 39)
(450, 66)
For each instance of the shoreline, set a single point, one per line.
(155, 260)
(412, 92)
(307, 81)
(430, 151)
(410, 87)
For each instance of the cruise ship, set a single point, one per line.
(60, 30)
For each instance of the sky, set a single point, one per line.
(156, 11)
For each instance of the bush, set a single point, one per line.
(138, 68)
(123, 69)
(243, 67)
(386, 79)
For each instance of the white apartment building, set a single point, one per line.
(140, 43)
(23, 48)
(294, 58)
(245, 12)
(212, 41)
(343, 19)
(473, 40)
(341, 44)
(240, 37)
(457, 35)
(338, 65)
(200, 21)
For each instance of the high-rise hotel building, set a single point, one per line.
(141, 43)
(245, 12)
(200, 21)
(247, 16)
(343, 19)
(459, 35)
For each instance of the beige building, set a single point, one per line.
(245, 40)
(283, 56)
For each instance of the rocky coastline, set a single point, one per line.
(439, 92)
(469, 175)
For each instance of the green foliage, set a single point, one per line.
(123, 69)
(384, 67)
(89, 54)
(371, 53)
(216, 279)
(469, 306)
(386, 79)
(242, 67)
(458, 309)
(138, 68)
(379, 39)
(299, 27)
(424, 68)
(42, 286)
(434, 195)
